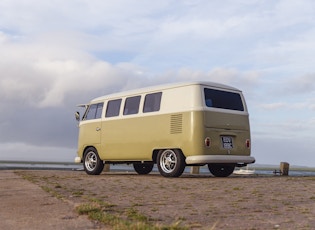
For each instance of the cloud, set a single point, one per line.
(273, 106)
(167, 34)
(243, 80)
(305, 105)
(43, 74)
(304, 84)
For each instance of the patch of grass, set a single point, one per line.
(58, 186)
(305, 211)
(137, 205)
(95, 212)
(77, 193)
(105, 205)
(27, 177)
(85, 209)
(52, 192)
(134, 215)
(286, 203)
(98, 210)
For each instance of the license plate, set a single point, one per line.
(227, 142)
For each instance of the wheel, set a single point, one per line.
(171, 163)
(221, 170)
(143, 168)
(91, 162)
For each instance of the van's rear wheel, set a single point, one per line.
(91, 162)
(143, 168)
(171, 163)
(221, 170)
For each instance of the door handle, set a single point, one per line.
(98, 128)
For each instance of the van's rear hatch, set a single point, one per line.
(226, 122)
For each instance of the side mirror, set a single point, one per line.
(77, 116)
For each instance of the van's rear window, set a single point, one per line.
(223, 99)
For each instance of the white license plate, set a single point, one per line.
(227, 142)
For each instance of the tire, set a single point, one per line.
(221, 170)
(143, 168)
(171, 162)
(91, 162)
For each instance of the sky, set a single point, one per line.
(57, 54)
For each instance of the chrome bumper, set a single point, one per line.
(221, 159)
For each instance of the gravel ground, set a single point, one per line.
(24, 205)
(192, 201)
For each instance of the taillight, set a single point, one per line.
(207, 142)
(248, 143)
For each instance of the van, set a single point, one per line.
(173, 126)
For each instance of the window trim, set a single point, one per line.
(240, 109)
(145, 100)
(113, 100)
(98, 105)
(125, 111)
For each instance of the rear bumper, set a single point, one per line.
(221, 159)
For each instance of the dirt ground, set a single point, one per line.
(193, 201)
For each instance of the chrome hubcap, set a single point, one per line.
(90, 161)
(168, 161)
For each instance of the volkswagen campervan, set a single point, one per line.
(173, 126)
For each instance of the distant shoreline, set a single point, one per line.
(37, 165)
(256, 166)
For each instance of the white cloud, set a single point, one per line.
(272, 106)
(284, 106)
(304, 84)
(165, 32)
(44, 72)
(243, 80)
(3, 37)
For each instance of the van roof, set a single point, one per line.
(162, 87)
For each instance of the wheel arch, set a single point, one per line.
(86, 147)
(156, 152)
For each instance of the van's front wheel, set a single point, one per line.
(91, 162)
(171, 163)
(221, 170)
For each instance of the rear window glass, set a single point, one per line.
(223, 99)
(132, 105)
(152, 102)
(94, 111)
(113, 108)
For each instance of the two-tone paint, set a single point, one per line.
(183, 122)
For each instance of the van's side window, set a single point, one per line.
(152, 102)
(95, 111)
(113, 108)
(223, 99)
(132, 105)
